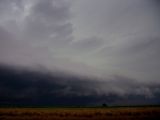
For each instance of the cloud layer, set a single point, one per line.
(19, 86)
(113, 46)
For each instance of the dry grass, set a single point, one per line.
(146, 113)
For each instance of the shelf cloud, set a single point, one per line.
(110, 47)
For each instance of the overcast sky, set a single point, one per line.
(94, 38)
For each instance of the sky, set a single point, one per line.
(108, 46)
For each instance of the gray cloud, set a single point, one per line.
(41, 29)
(19, 86)
(130, 30)
(96, 39)
(48, 20)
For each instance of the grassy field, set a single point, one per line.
(121, 113)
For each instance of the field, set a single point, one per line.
(119, 113)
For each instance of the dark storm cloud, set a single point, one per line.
(120, 39)
(19, 86)
(101, 40)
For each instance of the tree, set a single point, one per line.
(104, 105)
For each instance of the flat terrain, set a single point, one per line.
(126, 113)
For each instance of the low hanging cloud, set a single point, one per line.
(101, 48)
(19, 86)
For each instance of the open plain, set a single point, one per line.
(118, 113)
